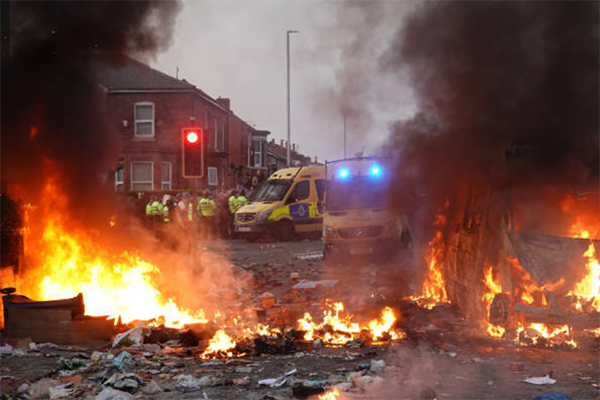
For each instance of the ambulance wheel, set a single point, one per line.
(285, 230)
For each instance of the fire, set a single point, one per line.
(526, 289)
(220, 346)
(534, 332)
(588, 290)
(434, 290)
(113, 285)
(330, 394)
(262, 330)
(492, 289)
(337, 327)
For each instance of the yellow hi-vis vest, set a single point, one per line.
(207, 207)
(241, 202)
(232, 204)
(190, 212)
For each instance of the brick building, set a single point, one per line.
(149, 109)
(277, 156)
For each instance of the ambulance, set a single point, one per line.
(286, 206)
(357, 219)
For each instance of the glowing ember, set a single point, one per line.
(220, 346)
(595, 332)
(331, 394)
(112, 285)
(492, 289)
(588, 290)
(434, 289)
(338, 328)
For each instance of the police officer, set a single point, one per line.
(232, 202)
(208, 209)
(241, 199)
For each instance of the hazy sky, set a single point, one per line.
(237, 49)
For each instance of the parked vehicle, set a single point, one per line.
(357, 219)
(287, 205)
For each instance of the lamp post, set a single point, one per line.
(288, 97)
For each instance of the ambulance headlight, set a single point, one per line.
(328, 231)
(263, 216)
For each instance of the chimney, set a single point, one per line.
(224, 102)
(293, 146)
(316, 160)
(281, 143)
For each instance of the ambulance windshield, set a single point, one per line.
(273, 190)
(355, 193)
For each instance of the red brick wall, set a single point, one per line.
(172, 112)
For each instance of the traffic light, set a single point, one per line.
(192, 152)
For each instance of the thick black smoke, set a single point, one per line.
(52, 114)
(494, 82)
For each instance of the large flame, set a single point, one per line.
(534, 332)
(112, 285)
(434, 285)
(491, 290)
(337, 327)
(588, 290)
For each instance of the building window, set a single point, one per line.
(142, 176)
(257, 146)
(119, 179)
(213, 176)
(143, 115)
(165, 174)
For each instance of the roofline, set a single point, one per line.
(190, 91)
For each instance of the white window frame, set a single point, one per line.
(215, 174)
(259, 153)
(131, 175)
(119, 182)
(170, 181)
(135, 119)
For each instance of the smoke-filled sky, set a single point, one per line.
(237, 49)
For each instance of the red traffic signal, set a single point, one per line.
(192, 136)
(192, 152)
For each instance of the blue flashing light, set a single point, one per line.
(343, 173)
(375, 170)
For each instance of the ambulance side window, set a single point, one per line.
(300, 192)
(320, 184)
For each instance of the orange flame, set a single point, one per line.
(492, 289)
(113, 285)
(331, 394)
(588, 290)
(337, 327)
(434, 285)
(221, 346)
(554, 336)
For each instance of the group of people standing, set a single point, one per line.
(213, 216)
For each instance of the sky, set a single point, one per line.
(237, 49)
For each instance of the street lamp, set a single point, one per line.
(288, 97)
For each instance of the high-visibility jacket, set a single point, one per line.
(241, 202)
(154, 208)
(233, 205)
(207, 207)
(190, 212)
(165, 213)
